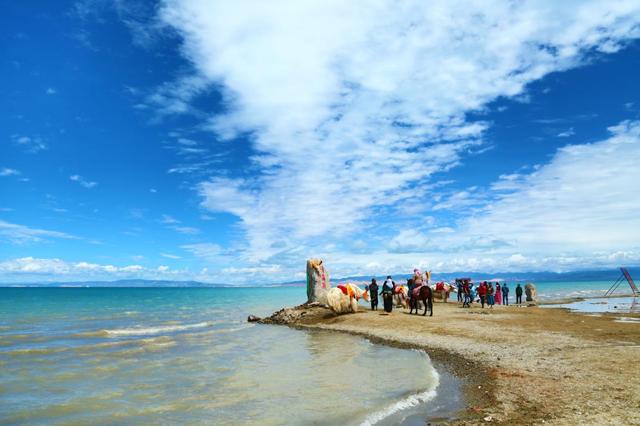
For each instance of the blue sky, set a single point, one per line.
(230, 141)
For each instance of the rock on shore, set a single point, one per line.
(301, 314)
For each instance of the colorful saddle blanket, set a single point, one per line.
(416, 291)
(346, 290)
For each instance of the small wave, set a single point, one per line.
(410, 401)
(34, 351)
(140, 331)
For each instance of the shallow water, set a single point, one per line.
(167, 356)
(549, 290)
(602, 305)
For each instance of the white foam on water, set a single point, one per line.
(139, 331)
(408, 402)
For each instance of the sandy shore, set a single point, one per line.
(519, 365)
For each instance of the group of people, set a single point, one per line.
(388, 288)
(486, 292)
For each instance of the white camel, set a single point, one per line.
(344, 298)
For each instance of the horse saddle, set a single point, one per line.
(416, 291)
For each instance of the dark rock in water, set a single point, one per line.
(253, 318)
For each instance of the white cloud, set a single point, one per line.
(169, 220)
(23, 234)
(207, 251)
(256, 270)
(586, 199)
(578, 211)
(24, 268)
(85, 183)
(173, 223)
(567, 133)
(352, 108)
(175, 97)
(9, 172)
(51, 91)
(31, 144)
(187, 230)
(170, 256)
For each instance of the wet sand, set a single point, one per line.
(519, 365)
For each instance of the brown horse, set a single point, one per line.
(425, 294)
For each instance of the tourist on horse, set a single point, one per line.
(417, 278)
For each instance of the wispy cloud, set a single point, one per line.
(58, 268)
(9, 172)
(168, 220)
(170, 256)
(187, 230)
(51, 91)
(567, 133)
(580, 201)
(353, 109)
(83, 182)
(31, 144)
(175, 224)
(23, 234)
(563, 215)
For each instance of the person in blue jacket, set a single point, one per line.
(505, 294)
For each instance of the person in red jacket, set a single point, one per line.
(482, 292)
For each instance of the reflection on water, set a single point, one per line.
(188, 356)
(621, 305)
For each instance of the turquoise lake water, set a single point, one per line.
(188, 356)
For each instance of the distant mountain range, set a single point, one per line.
(599, 275)
(119, 283)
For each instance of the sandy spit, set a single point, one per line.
(520, 365)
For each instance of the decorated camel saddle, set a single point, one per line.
(442, 291)
(347, 290)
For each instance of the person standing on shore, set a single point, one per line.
(460, 289)
(505, 294)
(518, 295)
(498, 298)
(490, 296)
(466, 290)
(387, 294)
(482, 292)
(373, 292)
